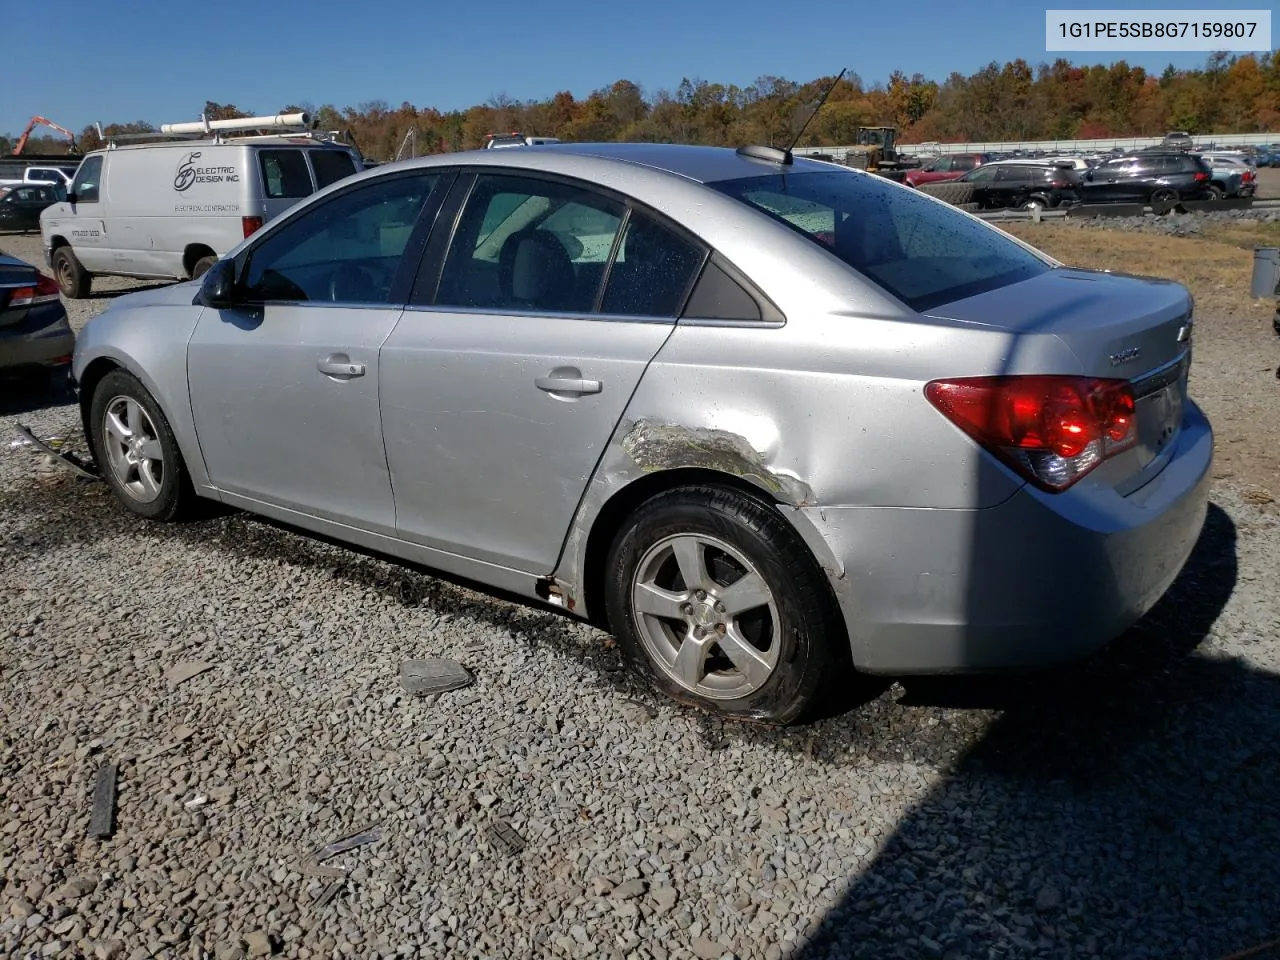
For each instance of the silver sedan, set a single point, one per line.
(759, 416)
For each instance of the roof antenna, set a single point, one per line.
(805, 125)
(784, 157)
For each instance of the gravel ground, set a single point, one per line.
(1175, 224)
(1125, 807)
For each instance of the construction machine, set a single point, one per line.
(875, 151)
(45, 121)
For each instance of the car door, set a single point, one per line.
(984, 184)
(1105, 184)
(88, 231)
(284, 386)
(509, 371)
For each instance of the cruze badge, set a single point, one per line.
(1125, 356)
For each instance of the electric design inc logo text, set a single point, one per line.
(188, 173)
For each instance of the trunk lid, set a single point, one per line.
(1119, 327)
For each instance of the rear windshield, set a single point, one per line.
(331, 166)
(923, 252)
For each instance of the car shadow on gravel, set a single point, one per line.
(1125, 807)
(27, 393)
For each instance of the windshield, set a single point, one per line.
(923, 252)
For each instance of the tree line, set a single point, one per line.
(1013, 101)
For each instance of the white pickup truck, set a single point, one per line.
(57, 175)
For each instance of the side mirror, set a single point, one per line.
(219, 286)
(1088, 175)
(929, 169)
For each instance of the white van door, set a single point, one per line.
(86, 229)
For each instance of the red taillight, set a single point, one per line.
(1201, 177)
(251, 224)
(1050, 429)
(45, 291)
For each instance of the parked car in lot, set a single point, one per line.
(35, 337)
(1025, 184)
(20, 206)
(1231, 176)
(752, 413)
(1154, 178)
(948, 167)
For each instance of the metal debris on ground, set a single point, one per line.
(102, 822)
(504, 838)
(196, 802)
(181, 672)
(311, 864)
(50, 446)
(424, 677)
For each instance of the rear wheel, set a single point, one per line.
(1164, 200)
(73, 280)
(1214, 192)
(719, 604)
(201, 266)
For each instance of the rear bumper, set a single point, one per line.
(1036, 580)
(42, 339)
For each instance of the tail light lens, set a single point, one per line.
(1201, 176)
(251, 224)
(1052, 430)
(45, 291)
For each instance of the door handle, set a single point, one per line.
(340, 365)
(567, 385)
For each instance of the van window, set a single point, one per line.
(88, 180)
(331, 166)
(284, 173)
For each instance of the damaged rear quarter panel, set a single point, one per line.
(825, 411)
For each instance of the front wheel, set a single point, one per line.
(719, 604)
(136, 450)
(73, 280)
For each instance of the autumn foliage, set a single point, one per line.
(1014, 101)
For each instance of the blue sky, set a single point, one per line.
(159, 62)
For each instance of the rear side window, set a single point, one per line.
(284, 173)
(963, 163)
(923, 252)
(331, 166)
(652, 271)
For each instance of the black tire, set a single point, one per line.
(1214, 192)
(803, 638)
(201, 267)
(1164, 200)
(73, 280)
(176, 499)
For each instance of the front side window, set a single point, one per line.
(923, 252)
(345, 250)
(284, 174)
(528, 244)
(88, 180)
(331, 166)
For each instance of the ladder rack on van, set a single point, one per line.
(235, 130)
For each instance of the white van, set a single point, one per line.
(169, 210)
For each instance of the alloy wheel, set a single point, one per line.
(134, 454)
(706, 616)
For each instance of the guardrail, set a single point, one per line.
(1221, 140)
(1120, 210)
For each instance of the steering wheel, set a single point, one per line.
(350, 283)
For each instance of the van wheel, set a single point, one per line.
(73, 280)
(202, 266)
